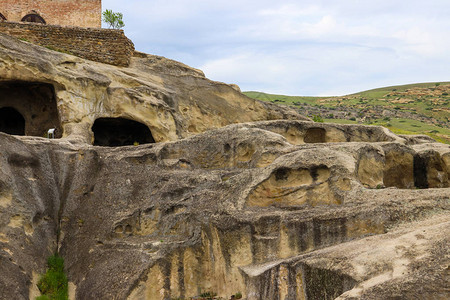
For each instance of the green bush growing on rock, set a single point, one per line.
(318, 118)
(53, 284)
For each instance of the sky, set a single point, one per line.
(303, 47)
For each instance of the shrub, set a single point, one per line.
(317, 118)
(208, 294)
(53, 284)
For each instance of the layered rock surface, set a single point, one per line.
(237, 209)
(281, 209)
(173, 100)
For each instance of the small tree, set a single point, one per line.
(318, 118)
(114, 20)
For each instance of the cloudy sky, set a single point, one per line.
(303, 47)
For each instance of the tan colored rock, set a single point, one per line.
(153, 90)
(275, 208)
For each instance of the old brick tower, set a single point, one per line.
(83, 13)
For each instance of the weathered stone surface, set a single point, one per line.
(179, 218)
(84, 13)
(281, 209)
(172, 99)
(108, 46)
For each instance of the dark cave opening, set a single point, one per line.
(420, 172)
(36, 104)
(326, 284)
(11, 121)
(430, 171)
(315, 135)
(33, 18)
(114, 132)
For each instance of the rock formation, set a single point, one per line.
(274, 207)
(173, 100)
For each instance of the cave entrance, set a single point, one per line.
(114, 132)
(420, 172)
(33, 18)
(430, 170)
(11, 121)
(325, 284)
(36, 103)
(315, 135)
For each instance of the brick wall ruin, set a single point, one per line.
(83, 13)
(102, 45)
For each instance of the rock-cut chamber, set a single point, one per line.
(114, 132)
(28, 108)
(11, 121)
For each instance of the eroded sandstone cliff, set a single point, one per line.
(173, 100)
(274, 209)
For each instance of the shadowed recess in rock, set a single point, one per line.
(28, 108)
(325, 284)
(403, 169)
(11, 121)
(430, 171)
(114, 132)
(315, 135)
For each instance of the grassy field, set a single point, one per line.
(407, 126)
(290, 100)
(431, 100)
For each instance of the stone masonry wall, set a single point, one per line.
(102, 45)
(83, 13)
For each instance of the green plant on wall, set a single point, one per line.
(114, 20)
(53, 284)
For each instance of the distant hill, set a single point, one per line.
(422, 108)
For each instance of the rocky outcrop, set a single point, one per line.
(272, 209)
(237, 209)
(173, 100)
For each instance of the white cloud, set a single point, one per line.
(297, 47)
(290, 10)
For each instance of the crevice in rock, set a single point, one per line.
(420, 172)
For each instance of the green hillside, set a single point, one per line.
(422, 108)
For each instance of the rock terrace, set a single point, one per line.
(274, 206)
